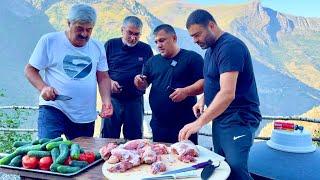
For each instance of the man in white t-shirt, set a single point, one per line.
(72, 65)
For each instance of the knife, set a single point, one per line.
(172, 176)
(207, 172)
(194, 167)
(62, 98)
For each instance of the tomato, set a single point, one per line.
(87, 156)
(29, 162)
(45, 163)
(68, 161)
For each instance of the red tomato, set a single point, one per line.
(29, 162)
(87, 156)
(45, 163)
(68, 161)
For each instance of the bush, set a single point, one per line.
(9, 120)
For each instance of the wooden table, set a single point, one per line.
(89, 144)
(95, 172)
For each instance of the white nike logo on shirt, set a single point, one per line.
(237, 137)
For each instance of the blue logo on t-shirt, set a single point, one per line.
(77, 67)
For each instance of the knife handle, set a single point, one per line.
(202, 165)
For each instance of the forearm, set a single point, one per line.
(219, 104)
(104, 84)
(34, 77)
(195, 89)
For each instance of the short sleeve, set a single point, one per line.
(231, 57)
(102, 63)
(197, 66)
(39, 57)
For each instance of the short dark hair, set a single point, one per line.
(134, 20)
(201, 17)
(166, 27)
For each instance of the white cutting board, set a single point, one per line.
(172, 163)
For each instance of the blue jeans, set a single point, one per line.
(234, 143)
(126, 113)
(52, 123)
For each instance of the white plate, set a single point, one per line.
(172, 163)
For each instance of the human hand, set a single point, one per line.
(189, 129)
(106, 110)
(198, 108)
(48, 93)
(115, 87)
(140, 81)
(179, 94)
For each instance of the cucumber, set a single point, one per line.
(43, 140)
(54, 166)
(39, 154)
(52, 145)
(64, 152)
(43, 146)
(55, 152)
(16, 161)
(75, 151)
(25, 149)
(7, 159)
(21, 143)
(97, 156)
(34, 142)
(81, 150)
(67, 169)
(81, 164)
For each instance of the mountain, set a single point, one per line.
(21, 26)
(283, 47)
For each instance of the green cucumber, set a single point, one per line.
(81, 164)
(97, 156)
(75, 151)
(25, 149)
(52, 145)
(44, 140)
(16, 161)
(55, 152)
(43, 146)
(21, 143)
(64, 152)
(7, 159)
(67, 169)
(34, 142)
(39, 154)
(54, 166)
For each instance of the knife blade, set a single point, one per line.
(62, 98)
(172, 176)
(194, 167)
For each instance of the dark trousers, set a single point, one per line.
(52, 123)
(234, 143)
(129, 114)
(168, 134)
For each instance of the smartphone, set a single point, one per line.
(170, 89)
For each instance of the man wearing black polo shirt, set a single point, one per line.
(230, 93)
(126, 56)
(176, 77)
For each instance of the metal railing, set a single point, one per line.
(267, 118)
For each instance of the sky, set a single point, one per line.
(306, 8)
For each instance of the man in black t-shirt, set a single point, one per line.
(230, 93)
(126, 56)
(176, 77)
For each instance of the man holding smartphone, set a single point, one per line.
(176, 77)
(126, 57)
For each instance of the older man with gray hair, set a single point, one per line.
(126, 56)
(72, 65)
